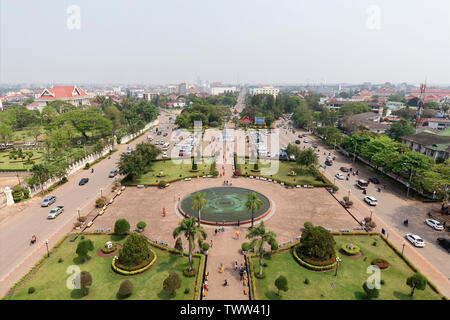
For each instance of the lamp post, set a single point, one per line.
(78, 214)
(338, 260)
(403, 247)
(349, 194)
(371, 215)
(46, 244)
(101, 192)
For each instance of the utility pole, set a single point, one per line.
(409, 183)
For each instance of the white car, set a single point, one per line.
(164, 155)
(371, 200)
(415, 240)
(305, 141)
(436, 225)
(340, 176)
(56, 211)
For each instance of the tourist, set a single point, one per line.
(235, 266)
(215, 232)
(221, 268)
(211, 242)
(225, 283)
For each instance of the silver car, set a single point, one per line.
(48, 201)
(55, 212)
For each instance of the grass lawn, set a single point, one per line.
(347, 285)
(7, 163)
(50, 278)
(284, 168)
(172, 171)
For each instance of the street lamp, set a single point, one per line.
(338, 260)
(78, 214)
(403, 247)
(46, 244)
(349, 194)
(101, 192)
(371, 215)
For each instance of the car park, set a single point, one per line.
(415, 240)
(344, 169)
(48, 201)
(436, 225)
(83, 181)
(113, 173)
(56, 211)
(371, 201)
(340, 176)
(444, 243)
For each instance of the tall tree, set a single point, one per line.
(198, 201)
(191, 232)
(260, 237)
(253, 203)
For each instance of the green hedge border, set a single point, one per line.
(310, 266)
(130, 273)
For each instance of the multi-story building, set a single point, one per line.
(265, 90)
(438, 123)
(430, 144)
(222, 90)
(150, 95)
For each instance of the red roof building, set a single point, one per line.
(246, 120)
(70, 94)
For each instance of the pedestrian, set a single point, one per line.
(235, 266)
(211, 242)
(237, 234)
(215, 232)
(225, 283)
(238, 222)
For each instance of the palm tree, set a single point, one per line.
(253, 203)
(191, 231)
(199, 201)
(261, 236)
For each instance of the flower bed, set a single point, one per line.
(381, 263)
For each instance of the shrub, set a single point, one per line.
(350, 249)
(374, 243)
(87, 165)
(100, 202)
(31, 290)
(187, 290)
(83, 248)
(371, 293)
(205, 246)
(121, 227)
(172, 283)
(371, 225)
(335, 188)
(162, 184)
(126, 288)
(135, 251)
(245, 246)
(306, 281)
(382, 282)
(60, 260)
(17, 193)
(141, 225)
(316, 244)
(82, 237)
(381, 263)
(308, 225)
(26, 193)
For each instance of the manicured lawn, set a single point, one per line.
(7, 163)
(50, 278)
(172, 171)
(284, 168)
(348, 283)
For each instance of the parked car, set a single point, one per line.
(48, 201)
(297, 141)
(315, 145)
(165, 134)
(159, 133)
(340, 176)
(56, 211)
(300, 136)
(436, 225)
(328, 162)
(344, 169)
(444, 243)
(374, 180)
(415, 240)
(128, 149)
(83, 181)
(371, 201)
(305, 141)
(113, 173)
(164, 155)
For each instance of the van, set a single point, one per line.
(363, 184)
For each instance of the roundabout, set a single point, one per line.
(225, 205)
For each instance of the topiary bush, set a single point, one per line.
(31, 290)
(126, 288)
(17, 193)
(188, 273)
(121, 227)
(306, 281)
(100, 202)
(205, 246)
(135, 252)
(350, 249)
(245, 246)
(141, 225)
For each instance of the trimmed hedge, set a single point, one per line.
(381, 263)
(350, 252)
(127, 271)
(310, 266)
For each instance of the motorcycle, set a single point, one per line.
(33, 240)
(405, 222)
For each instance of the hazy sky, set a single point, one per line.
(253, 41)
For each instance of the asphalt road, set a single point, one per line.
(393, 207)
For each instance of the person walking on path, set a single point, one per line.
(211, 243)
(235, 266)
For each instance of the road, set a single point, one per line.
(16, 231)
(392, 208)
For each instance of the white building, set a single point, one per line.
(150, 95)
(265, 90)
(221, 90)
